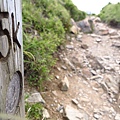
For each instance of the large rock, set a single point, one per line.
(74, 114)
(35, 98)
(86, 25)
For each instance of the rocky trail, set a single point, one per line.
(86, 77)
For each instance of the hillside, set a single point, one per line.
(110, 14)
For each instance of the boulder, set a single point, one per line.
(86, 25)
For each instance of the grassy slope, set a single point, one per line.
(45, 23)
(110, 13)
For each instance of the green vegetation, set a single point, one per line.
(34, 111)
(45, 23)
(110, 14)
(73, 10)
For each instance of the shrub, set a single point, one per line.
(110, 14)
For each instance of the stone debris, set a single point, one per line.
(35, 98)
(64, 85)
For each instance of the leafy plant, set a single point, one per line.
(34, 111)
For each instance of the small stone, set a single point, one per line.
(97, 115)
(57, 77)
(55, 93)
(110, 100)
(64, 67)
(46, 113)
(98, 40)
(93, 72)
(69, 46)
(75, 101)
(58, 69)
(84, 46)
(96, 77)
(64, 85)
(79, 37)
(60, 108)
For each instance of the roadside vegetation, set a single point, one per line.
(45, 24)
(110, 14)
